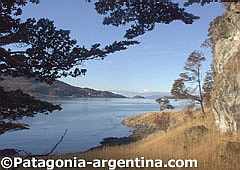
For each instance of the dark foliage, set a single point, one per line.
(48, 53)
(141, 15)
(16, 104)
(205, 2)
(164, 103)
(6, 126)
(36, 48)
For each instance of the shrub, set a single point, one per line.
(163, 121)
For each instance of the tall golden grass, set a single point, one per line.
(185, 139)
(214, 151)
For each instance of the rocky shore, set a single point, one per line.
(142, 125)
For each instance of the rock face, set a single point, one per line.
(225, 37)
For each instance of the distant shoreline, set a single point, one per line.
(58, 89)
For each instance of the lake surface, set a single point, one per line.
(88, 121)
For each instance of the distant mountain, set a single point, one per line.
(147, 95)
(58, 89)
(157, 96)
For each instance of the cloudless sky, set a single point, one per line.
(150, 66)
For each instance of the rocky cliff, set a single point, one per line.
(225, 38)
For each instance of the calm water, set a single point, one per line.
(88, 121)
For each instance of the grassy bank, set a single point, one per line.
(185, 135)
(188, 136)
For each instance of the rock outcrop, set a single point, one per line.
(225, 38)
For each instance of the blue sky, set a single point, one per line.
(151, 66)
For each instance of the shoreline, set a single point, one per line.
(139, 131)
(142, 125)
(188, 136)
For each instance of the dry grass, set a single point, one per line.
(212, 150)
(184, 140)
(151, 118)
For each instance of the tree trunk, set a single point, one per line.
(200, 91)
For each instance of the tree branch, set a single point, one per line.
(52, 150)
(56, 145)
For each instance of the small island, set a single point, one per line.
(138, 97)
